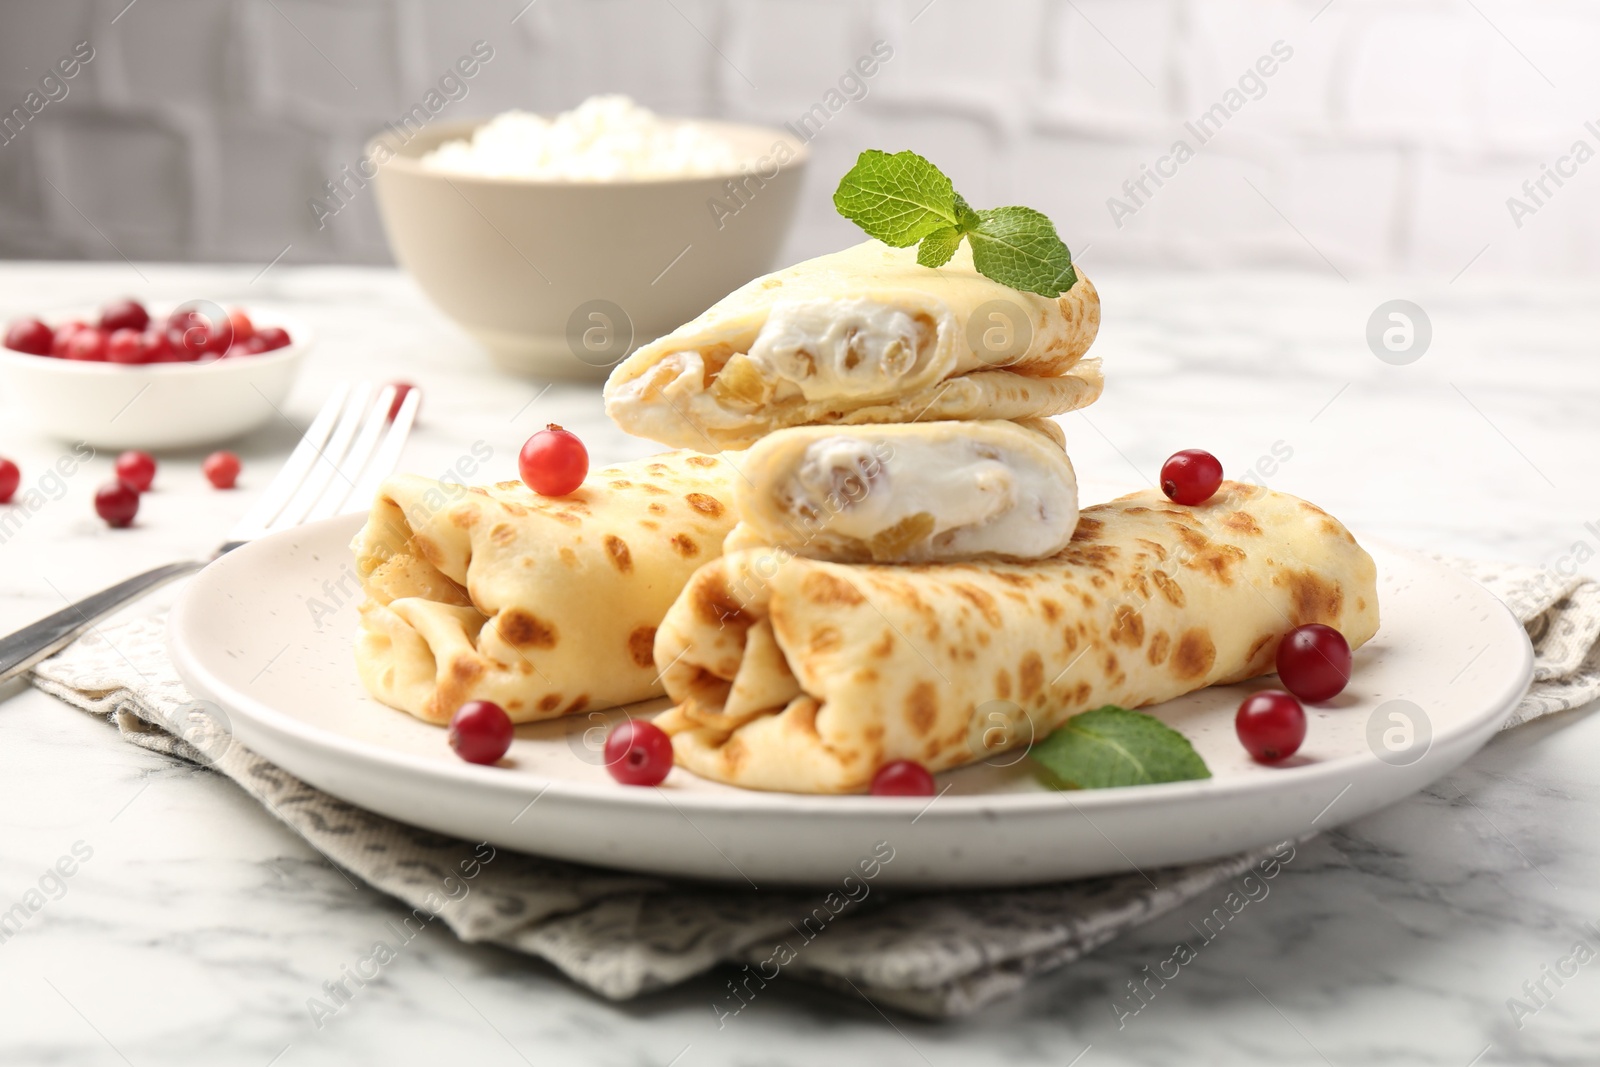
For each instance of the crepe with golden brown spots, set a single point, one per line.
(863, 335)
(908, 493)
(805, 676)
(544, 605)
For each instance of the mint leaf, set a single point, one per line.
(902, 199)
(937, 248)
(899, 199)
(1018, 246)
(1113, 746)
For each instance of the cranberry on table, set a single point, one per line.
(902, 778)
(117, 503)
(124, 315)
(10, 478)
(480, 731)
(221, 469)
(1191, 477)
(125, 346)
(401, 389)
(638, 753)
(88, 345)
(136, 470)
(30, 336)
(1271, 725)
(1314, 662)
(553, 462)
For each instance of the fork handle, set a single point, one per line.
(49, 635)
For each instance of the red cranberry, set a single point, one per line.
(553, 462)
(481, 731)
(638, 753)
(156, 347)
(1314, 662)
(1271, 725)
(10, 478)
(273, 337)
(902, 778)
(240, 323)
(116, 503)
(124, 315)
(221, 469)
(87, 345)
(136, 470)
(30, 336)
(1191, 477)
(125, 346)
(400, 391)
(186, 345)
(64, 333)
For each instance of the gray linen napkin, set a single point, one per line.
(931, 954)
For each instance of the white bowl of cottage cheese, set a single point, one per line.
(562, 243)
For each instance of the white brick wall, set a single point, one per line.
(1389, 142)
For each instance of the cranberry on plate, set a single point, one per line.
(553, 462)
(1271, 725)
(1191, 477)
(1314, 662)
(902, 778)
(481, 731)
(221, 469)
(30, 336)
(117, 503)
(638, 753)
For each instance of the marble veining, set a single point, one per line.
(200, 927)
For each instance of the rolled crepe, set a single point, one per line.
(908, 494)
(544, 605)
(805, 676)
(862, 335)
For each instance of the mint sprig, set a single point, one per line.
(1113, 746)
(903, 200)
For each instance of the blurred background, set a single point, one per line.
(1388, 138)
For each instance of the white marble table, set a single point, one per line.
(199, 926)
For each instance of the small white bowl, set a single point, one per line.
(151, 406)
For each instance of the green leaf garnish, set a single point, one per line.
(899, 199)
(1018, 246)
(1113, 746)
(904, 200)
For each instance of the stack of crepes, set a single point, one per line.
(911, 577)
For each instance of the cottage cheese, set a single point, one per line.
(605, 138)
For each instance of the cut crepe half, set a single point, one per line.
(909, 493)
(805, 676)
(544, 605)
(862, 335)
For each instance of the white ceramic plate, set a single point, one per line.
(265, 633)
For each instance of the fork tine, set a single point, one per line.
(266, 508)
(329, 460)
(355, 460)
(388, 454)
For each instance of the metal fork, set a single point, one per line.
(350, 447)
